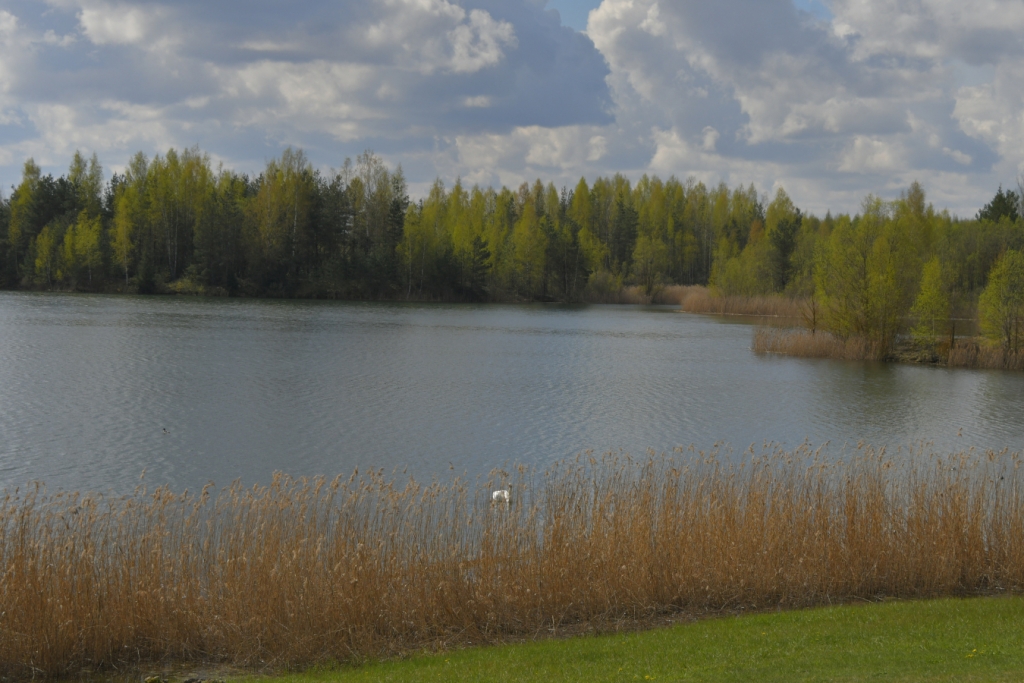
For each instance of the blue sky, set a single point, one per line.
(830, 99)
(574, 12)
(815, 7)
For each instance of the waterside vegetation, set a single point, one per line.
(302, 572)
(897, 273)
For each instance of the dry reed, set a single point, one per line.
(305, 571)
(966, 353)
(969, 353)
(805, 344)
(698, 299)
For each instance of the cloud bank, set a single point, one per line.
(868, 99)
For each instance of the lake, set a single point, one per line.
(96, 389)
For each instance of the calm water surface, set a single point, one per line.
(89, 384)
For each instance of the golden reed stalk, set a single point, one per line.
(966, 353)
(971, 354)
(805, 344)
(306, 571)
(698, 299)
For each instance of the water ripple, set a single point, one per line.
(95, 389)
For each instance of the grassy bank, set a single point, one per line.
(965, 353)
(309, 571)
(941, 640)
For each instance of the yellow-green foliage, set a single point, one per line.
(931, 308)
(179, 190)
(530, 241)
(1001, 306)
(294, 231)
(45, 261)
(306, 571)
(749, 274)
(22, 208)
(868, 270)
(80, 249)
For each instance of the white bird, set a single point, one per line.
(500, 496)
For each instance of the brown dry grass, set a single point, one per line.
(304, 571)
(970, 353)
(698, 299)
(805, 344)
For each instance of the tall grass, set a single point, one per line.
(805, 344)
(965, 353)
(972, 354)
(309, 570)
(698, 299)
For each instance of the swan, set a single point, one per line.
(500, 496)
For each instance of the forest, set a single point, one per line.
(175, 224)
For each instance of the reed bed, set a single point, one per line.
(308, 570)
(969, 353)
(807, 344)
(965, 353)
(698, 299)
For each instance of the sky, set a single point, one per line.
(830, 99)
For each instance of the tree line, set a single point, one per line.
(174, 223)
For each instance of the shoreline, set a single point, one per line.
(969, 353)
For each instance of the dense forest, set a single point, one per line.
(175, 224)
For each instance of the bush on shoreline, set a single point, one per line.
(306, 571)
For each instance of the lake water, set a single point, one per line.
(94, 389)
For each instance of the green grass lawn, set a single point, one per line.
(979, 639)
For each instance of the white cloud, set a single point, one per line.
(15, 50)
(869, 155)
(471, 40)
(480, 42)
(106, 24)
(958, 156)
(870, 100)
(887, 92)
(9, 48)
(673, 152)
(653, 24)
(710, 139)
(243, 80)
(52, 38)
(932, 29)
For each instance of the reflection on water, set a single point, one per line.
(89, 384)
